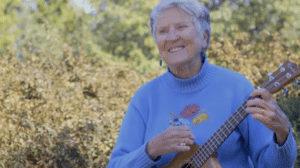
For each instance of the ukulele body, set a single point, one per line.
(181, 160)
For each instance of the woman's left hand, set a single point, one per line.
(267, 111)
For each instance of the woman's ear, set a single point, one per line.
(204, 39)
(205, 35)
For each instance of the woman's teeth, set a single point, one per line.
(176, 49)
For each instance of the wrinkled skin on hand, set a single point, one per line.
(267, 111)
(169, 141)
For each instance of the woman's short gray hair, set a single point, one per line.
(195, 9)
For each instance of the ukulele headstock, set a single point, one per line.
(281, 77)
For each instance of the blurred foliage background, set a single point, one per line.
(67, 76)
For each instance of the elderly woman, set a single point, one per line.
(189, 102)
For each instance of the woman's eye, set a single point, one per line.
(180, 27)
(162, 31)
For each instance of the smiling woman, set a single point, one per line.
(195, 91)
(180, 43)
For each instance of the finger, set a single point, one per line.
(188, 141)
(183, 142)
(256, 110)
(187, 135)
(257, 116)
(183, 128)
(266, 95)
(179, 133)
(257, 102)
(252, 109)
(183, 135)
(182, 148)
(178, 128)
(261, 119)
(182, 145)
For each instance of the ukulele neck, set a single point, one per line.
(216, 140)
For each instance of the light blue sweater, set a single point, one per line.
(218, 92)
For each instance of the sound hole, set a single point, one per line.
(187, 165)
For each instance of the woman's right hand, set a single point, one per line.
(169, 141)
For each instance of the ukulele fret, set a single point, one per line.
(235, 120)
(216, 140)
(213, 143)
(230, 122)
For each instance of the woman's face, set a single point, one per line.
(177, 38)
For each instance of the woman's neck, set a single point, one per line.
(188, 70)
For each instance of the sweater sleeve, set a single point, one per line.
(130, 149)
(263, 148)
(261, 145)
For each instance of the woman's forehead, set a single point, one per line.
(172, 15)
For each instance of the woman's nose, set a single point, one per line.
(172, 36)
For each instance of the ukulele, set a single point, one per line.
(205, 156)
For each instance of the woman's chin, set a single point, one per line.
(180, 64)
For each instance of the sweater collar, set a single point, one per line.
(191, 84)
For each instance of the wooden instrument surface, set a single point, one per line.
(182, 160)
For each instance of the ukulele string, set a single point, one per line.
(200, 153)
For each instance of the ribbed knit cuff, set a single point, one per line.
(144, 160)
(289, 149)
(287, 142)
(287, 153)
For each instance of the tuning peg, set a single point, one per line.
(297, 81)
(285, 91)
(280, 65)
(270, 74)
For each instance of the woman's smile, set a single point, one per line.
(176, 49)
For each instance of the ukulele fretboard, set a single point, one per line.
(215, 141)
